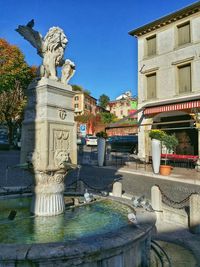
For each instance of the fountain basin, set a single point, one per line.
(121, 245)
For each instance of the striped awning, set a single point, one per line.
(172, 107)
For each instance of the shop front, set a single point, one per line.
(181, 119)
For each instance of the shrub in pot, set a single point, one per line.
(160, 138)
(170, 142)
(157, 134)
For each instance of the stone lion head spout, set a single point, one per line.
(51, 48)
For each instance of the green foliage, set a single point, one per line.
(170, 141)
(77, 88)
(107, 117)
(102, 134)
(15, 76)
(87, 92)
(84, 118)
(157, 134)
(103, 101)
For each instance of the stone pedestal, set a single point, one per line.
(49, 142)
(117, 189)
(156, 202)
(195, 213)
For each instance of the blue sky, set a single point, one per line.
(104, 53)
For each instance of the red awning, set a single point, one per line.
(172, 107)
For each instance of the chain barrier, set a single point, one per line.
(174, 204)
(11, 191)
(98, 189)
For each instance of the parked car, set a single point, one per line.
(124, 143)
(4, 143)
(91, 141)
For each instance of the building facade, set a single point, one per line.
(169, 78)
(122, 106)
(84, 104)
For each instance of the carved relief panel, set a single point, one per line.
(59, 145)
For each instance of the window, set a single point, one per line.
(151, 45)
(184, 76)
(151, 86)
(184, 33)
(76, 98)
(76, 106)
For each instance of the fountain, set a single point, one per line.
(92, 234)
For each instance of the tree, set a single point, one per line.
(15, 75)
(107, 117)
(13, 67)
(87, 92)
(77, 88)
(103, 101)
(12, 103)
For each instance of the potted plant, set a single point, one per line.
(170, 142)
(101, 147)
(156, 138)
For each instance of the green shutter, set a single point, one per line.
(185, 79)
(151, 46)
(151, 86)
(184, 34)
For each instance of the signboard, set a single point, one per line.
(83, 129)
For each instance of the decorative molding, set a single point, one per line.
(186, 60)
(150, 70)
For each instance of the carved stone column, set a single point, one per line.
(49, 141)
(48, 198)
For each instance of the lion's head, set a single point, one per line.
(54, 39)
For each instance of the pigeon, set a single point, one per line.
(136, 201)
(147, 206)
(132, 218)
(12, 215)
(104, 193)
(30, 24)
(88, 197)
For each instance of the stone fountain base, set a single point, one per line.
(128, 246)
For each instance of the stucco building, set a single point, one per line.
(84, 103)
(123, 106)
(169, 78)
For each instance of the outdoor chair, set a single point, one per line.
(139, 163)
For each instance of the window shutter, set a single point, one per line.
(151, 86)
(151, 46)
(184, 34)
(185, 79)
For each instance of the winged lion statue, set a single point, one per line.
(51, 48)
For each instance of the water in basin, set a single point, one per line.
(96, 218)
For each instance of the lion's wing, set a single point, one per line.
(32, 36)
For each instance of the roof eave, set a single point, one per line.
(177, 15)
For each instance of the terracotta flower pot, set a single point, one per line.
(165, 170)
